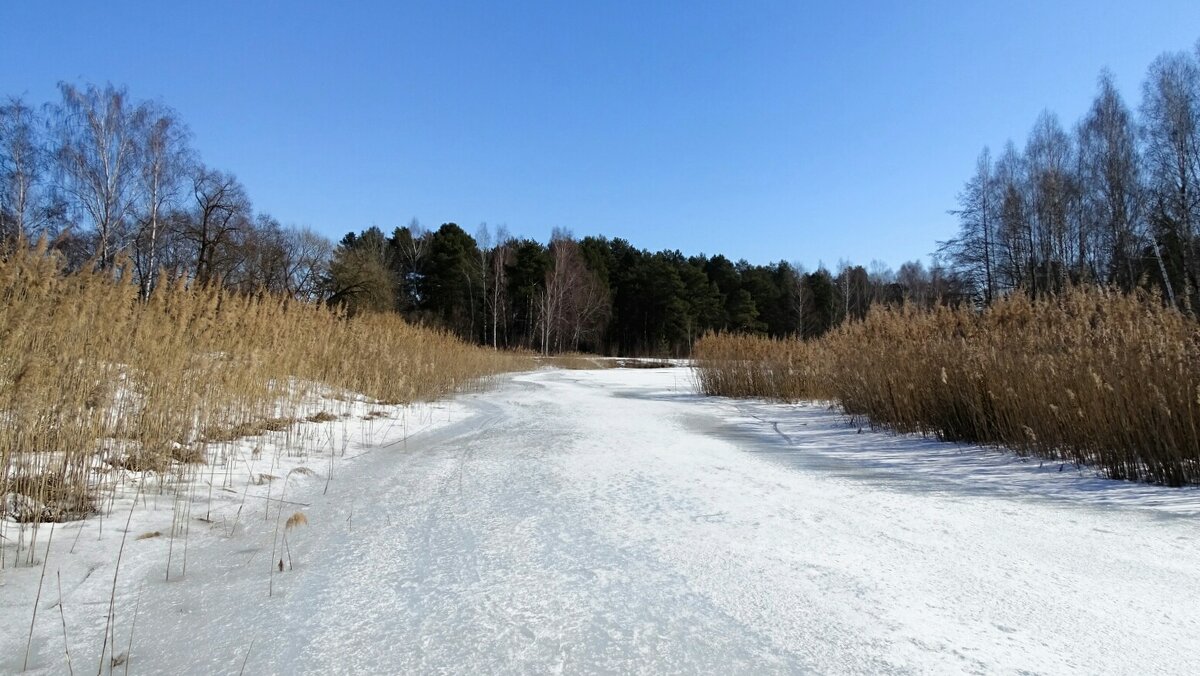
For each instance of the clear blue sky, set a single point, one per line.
(765, 130)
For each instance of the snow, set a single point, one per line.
(613, 520)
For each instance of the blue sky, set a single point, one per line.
(766, 130)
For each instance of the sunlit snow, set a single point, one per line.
(615, 521)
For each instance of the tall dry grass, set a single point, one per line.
(93, 380)
(1091, 377)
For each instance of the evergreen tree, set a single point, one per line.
(450, 285)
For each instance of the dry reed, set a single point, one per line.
(94, 380)
(1091, 377)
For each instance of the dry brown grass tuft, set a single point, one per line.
(295, 520)
(249, 428)
(1090, 377)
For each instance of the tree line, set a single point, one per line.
(602, 295)
(1113, 201)
(110, 180)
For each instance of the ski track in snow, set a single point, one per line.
(614, 521)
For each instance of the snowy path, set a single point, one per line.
(610, 521)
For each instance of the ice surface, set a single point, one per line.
(614, 521)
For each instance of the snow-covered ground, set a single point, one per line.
(614, 521)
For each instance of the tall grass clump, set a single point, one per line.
(1089, 377)
(94, 379)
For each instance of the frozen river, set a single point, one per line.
(614, 521)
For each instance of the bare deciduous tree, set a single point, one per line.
(163, 166)
(1171, 132)
(308, 256)
(24, 206)
(1110, 183)
(573, 305)
(1014, 236)
(261, 259)
(495, 261)
(1053, 192)
(222, 212)
(974, 250)
(97, 153)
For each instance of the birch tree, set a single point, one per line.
(1048, 157)
(97, 151)
(1171, 136)
(497, 260)
(24, 207)
(1015, 235)
(973, 251)
(165, 159)
(1110, 183)
(561, 277)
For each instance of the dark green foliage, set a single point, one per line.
(526, 277)
(820, 304)
(451, 285)
(705, 307)
(652, 303)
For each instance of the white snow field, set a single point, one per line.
(613, 521)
